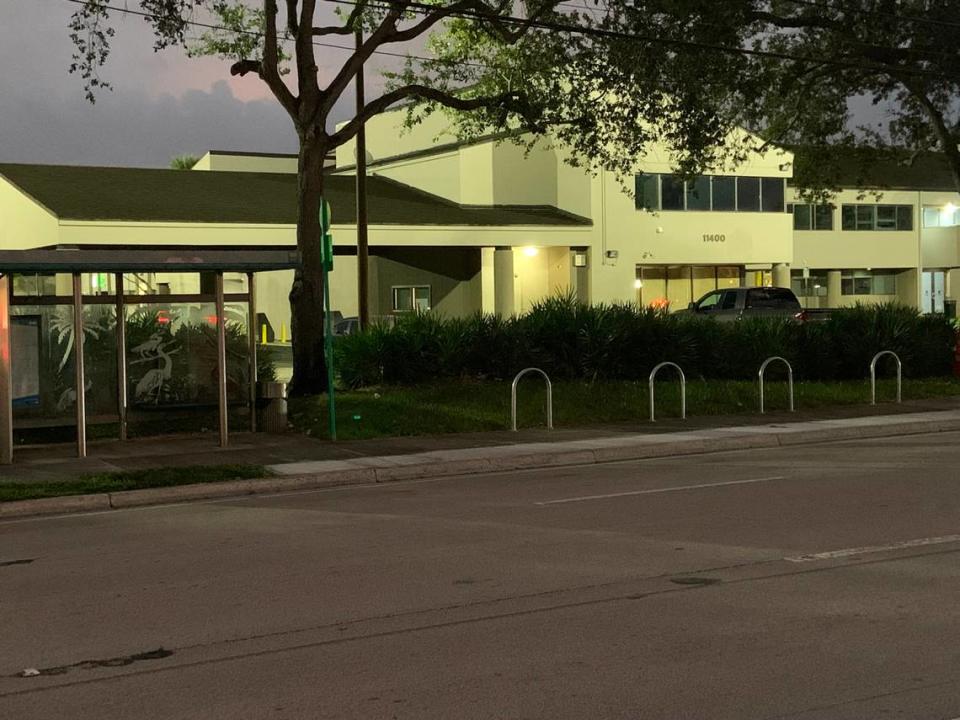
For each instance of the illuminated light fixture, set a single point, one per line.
(531, 251)
(949, 208)
(638, 283)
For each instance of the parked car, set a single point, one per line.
(347, 326)
(736, 303)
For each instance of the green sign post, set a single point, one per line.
(326, 258)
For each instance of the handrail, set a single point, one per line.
(763, 367)
(683, 389)
(873, 376)
(513, 397)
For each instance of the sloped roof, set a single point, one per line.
(874, 168)
(199, 196)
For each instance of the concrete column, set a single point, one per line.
(580, 276)
(781, 275)
(487, 286)
(833, 289)
(503, 282)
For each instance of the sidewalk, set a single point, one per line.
(56, 462)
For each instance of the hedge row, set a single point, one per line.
(571, 340)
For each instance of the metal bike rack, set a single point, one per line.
(513, 397)
(873, 376)
(789, 378)
(683, 389)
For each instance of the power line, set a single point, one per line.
(576, 29)
(425, 9)
(876, 13)
(209, 26)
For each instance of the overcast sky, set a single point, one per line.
(163, 104)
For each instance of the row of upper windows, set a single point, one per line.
(852, 217)
(710, 193)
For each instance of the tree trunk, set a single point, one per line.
(306, 295)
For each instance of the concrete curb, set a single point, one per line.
(290, 477)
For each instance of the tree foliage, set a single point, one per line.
(610, 80)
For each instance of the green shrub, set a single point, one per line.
(572, 340)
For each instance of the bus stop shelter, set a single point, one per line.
(119, 262)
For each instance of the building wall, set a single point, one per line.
(24, 223)
(238, 162)
(453, 275)
(438, 174)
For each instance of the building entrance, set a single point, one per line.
(673, 287)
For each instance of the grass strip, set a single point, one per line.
(130, 480)
(472, 406)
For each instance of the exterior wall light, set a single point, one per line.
(531, 251)
(638, 283)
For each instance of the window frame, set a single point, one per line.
(413, 298)
(902, 220)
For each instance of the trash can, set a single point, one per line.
(950, 308)
(275, 411)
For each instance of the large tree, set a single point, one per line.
(520, 66)
(811, 66)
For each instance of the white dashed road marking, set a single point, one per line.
(659, 490)
(849, 552)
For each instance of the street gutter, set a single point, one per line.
(312, 475)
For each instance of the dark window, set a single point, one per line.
(877, 217)
(886, 217)
(848, 217)
(671, 192)
(801, 216)
(866, 282)
(770, 298)
(698, 194)
(813, 286)
(709, 303)
(729, 301)
(724, 193)
(647, 192)
(748, 194)
(904, 217)
(823, 217)
(772, 194)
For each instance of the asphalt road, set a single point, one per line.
(817, 582)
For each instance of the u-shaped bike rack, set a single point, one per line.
(789, 378)
(873, 376)
(683, 389)
(513, 397)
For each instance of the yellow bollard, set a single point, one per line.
(283, 333)
(263, 334)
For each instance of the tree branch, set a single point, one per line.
(948, 142)
(348, 27)
(292, 24)
(509, 101)
(310, 94)
(269, 68)
(242, 67)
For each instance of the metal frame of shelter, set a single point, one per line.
(78, 260)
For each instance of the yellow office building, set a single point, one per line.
(460, 227)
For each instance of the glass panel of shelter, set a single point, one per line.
(171, 365)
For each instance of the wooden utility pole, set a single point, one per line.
(363, 308)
